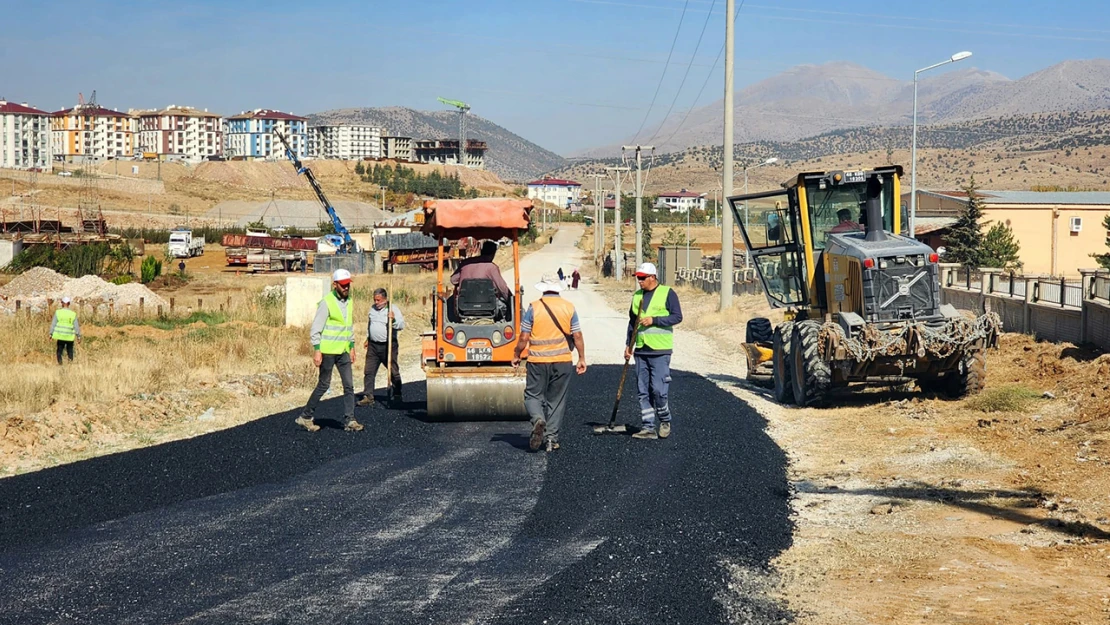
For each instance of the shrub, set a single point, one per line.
(150, 269)
(1010, 398)
(123, 279)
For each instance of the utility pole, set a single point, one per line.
(599, 216)
(639, 200)
(618, 253)
(726, 184)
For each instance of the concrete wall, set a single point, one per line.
(302, 296)
(8, 250)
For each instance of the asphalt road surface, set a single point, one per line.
(410, 521)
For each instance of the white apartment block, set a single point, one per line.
(345, 142)
(89, 132)
(562, 193)
(24, 136)
(682, 202)
(398, 148)
(181, 131)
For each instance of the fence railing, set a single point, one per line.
(1100, 288)
(1061, 292)
(745, 281)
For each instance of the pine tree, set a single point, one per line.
(1103, 260)
(964, 243)
(1000, 249)
(359, 169)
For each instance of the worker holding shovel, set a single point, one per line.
(651, 319)
(381, 347)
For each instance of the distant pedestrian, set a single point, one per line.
(656, 308)
(181, 267)
(561, 276)
(65, 330)
(607, 266)
(383, 314)
(574, 278)
(549, 330)
(333, 345)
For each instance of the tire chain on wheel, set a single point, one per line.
(971, 376)
(780, 345)
(817, 374)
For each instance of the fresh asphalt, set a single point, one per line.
(408, 521)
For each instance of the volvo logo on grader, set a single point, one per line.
(862, 302)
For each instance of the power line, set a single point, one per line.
(684, 76)
(664, 74)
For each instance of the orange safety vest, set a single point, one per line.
(548, 343)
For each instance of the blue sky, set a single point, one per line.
(567, 74)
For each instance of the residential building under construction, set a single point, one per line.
(446, 152)
(344, 142)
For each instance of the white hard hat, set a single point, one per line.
(66, 300)
(646, 269)
(341, 275)
(550, 284)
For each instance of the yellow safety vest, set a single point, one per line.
(63, 328)
(339, 329)
(655, 337)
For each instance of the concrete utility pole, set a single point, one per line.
(599, 216)
(639, 200)
(618, 253)
(726, 183)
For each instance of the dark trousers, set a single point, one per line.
(68, 347)
(342, 362)
(375, 357)
(545, 394)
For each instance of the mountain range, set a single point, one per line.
(510, 156)
(810, 100)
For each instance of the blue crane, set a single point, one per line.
(347, 245)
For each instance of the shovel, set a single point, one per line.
(611, 428)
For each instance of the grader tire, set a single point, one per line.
(812, 374)
(970, 376)
(782, 364)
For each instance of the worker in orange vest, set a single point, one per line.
(549, 330)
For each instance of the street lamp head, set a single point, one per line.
(959, 56)
(771, 160)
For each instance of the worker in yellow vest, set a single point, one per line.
(549, 330)
(333, 345)
(65, 330)
(656, 309)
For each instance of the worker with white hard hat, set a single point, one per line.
(65, 329)
(333, 345)
(654, 313)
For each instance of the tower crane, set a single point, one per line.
(464, 108)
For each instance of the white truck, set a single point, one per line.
(184, 245)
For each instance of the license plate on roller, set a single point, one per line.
(479, 353)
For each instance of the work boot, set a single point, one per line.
(664, 429)
(353, 426)
(536, 440)
(367, 400)
(646, 434)
(306, 422)
(552, 446)
(396, 400)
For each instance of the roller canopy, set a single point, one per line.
(481, 219)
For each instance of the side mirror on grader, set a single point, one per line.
(861, 303)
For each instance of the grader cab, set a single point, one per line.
(862, 302)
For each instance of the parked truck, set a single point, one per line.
(184, 245)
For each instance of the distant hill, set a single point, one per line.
(810, 100)
(510, 156)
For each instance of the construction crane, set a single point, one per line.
(347, 245)
(464, 108)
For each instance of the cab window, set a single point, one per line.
(842, 208)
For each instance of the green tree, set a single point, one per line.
(675, 236)
(645, 238)
(1000, 249)
(325, 227)
(359, 169)
(964, 242)
(1103, 260)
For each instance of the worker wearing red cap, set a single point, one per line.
(656, 309)
(333, 345)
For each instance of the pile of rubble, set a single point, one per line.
(36, 287)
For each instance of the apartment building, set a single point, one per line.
(446, 152)
(345, 141)
(90, 132)
(24, 136)
(250, 134)
(681, 202)
(398, 148)
(562, 193)
(181, 131)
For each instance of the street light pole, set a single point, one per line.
(959, 56)
(747, 252)
(726, 216)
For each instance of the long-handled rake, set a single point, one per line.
(612, 428)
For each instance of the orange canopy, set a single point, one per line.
(486, 218)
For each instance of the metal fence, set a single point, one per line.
(1100, 288)
(1048, 290)
(1007, 284)
(1059, 292)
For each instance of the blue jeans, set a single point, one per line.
(653, 377)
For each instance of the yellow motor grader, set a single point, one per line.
(862, 303)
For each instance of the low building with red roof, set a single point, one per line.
(562, 193)
(681, 201)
